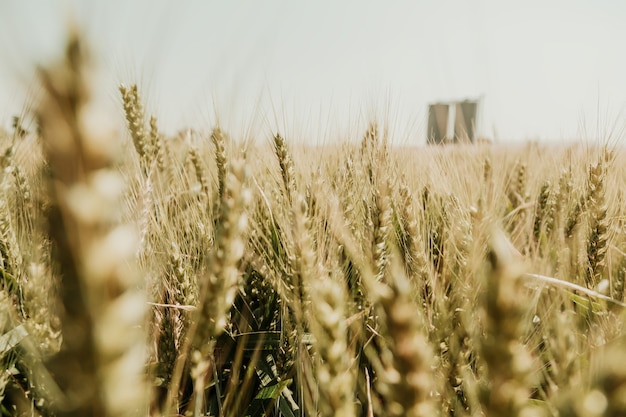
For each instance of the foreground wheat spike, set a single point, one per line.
(156, 144)
(136, 122)
(413, 252)
(381, 220)
(508, 362)
(374, 154)
(218, 285)
(307, 267)
(286, 167)
(328, 324)
(406, 377)
(544, 213)
(201, 176)
(597, 244)
(370, 142)
(100, 366)
(219, 141)
(594, 193)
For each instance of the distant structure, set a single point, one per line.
(438, 115)
(461, 129)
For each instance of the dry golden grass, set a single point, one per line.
(356, 279)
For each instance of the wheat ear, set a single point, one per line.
(508, 362)
(100, 368)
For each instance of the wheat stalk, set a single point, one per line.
(100, 366)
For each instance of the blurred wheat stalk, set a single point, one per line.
(100, 368)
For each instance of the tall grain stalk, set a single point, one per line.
(597, 242)
(100, 368)
(218, 287)
(509, 364)
(404, 367)
(328, 324)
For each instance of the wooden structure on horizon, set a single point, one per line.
(463, 125)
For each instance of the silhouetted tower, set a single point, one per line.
(452, 122)
(438, 123)
(465, 121)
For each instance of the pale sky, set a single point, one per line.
(317, 69)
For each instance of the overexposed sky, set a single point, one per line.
(549, 70)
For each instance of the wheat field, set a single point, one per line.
(202, 275)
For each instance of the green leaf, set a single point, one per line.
(586, 303)
(272, 392)
(285, 407)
